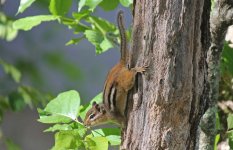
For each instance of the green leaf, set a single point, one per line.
(74, 41)
(97, 143)
(7, 31)
(98, 99)
(80, 128)
(4, 105)
(10, 145)
(26, 96)
(95, 38)
(24, 4)
(126, 3)
(58, 127)
(60, 7)
(65, 106)
(11, 70)
(29, 22)
(230, 121)
(218, 124)
(217, 137)
(114, 139)
(106, 44)
(67, 21)
(109, 5)
(90, 3)
(230, 139)
(82, 131)
(32, 96)
(81, 4)
(79, 28)
(16, 101)
(89, 142)
(106, 132)
(80, 15)
(54, 119)
(74, 125)
(70, 139)
(112, 134)
(98, 36)
(101, 25)
(227, 59)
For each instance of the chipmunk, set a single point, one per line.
(119, 81)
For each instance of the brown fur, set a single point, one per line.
(122, 78)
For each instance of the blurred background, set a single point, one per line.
(50, 67)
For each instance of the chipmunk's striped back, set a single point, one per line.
(110, 86)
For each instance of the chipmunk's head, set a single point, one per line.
(96, 115)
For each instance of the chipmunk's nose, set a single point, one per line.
(86, 124)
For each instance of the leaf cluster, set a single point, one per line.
(98, 31)
(66, 114)
(224, 117)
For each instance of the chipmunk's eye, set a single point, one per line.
(91, 116)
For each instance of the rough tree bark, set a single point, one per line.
(172, 37)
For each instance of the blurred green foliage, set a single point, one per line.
(7, 32)
(224, 121)
(226, 83)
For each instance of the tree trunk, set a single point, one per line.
(172, 37)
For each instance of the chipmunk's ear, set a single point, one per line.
(97, 107)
